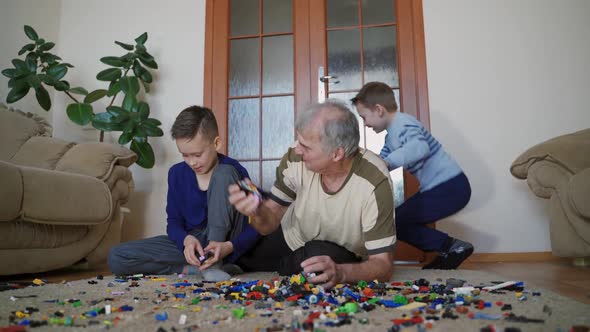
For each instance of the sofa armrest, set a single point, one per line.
(570, 152)
(95, 159)
(60, 198)
(11, 191)
(579, 192)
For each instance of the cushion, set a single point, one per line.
(16, 128)
(41, 152)
(95, 159)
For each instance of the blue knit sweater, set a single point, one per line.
(187, 208)
(410, 145)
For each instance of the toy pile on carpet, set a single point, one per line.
(174, 303)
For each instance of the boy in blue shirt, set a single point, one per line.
(444, 188)
(201, 222)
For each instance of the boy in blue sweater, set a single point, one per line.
(444, 188)
(201, 222)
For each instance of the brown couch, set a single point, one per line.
(59, 201)
(559, 170)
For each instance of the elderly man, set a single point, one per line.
(330, 211)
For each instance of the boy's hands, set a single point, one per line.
(219, 250)
(192, 245)
(244, 203)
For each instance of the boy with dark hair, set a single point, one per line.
(202, 226)
(444, 188)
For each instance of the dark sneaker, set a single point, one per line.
(452, 258)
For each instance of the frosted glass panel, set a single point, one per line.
(397, 177)
(342, 12)
(269, 173)
(244, 17)
(344, 59)
(277, 16)
(277, 74)
(378, 11)
(380, 55)
(244, 128)
(244, 68)
(277, 126)
(253, 168)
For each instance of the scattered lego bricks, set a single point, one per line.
(417, 303)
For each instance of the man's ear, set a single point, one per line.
(338, 154)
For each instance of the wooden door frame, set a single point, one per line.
(413, 81)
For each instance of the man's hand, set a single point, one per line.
(244, 203)
(328, 273)
(192, 245)
(220, 250)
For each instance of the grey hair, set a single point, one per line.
(337, 131)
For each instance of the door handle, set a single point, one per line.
(324, 80)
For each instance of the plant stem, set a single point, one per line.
(69, 95)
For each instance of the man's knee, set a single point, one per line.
(338, 253)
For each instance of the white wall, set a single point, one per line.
(176, 40)
(504, 75)
(43, 16)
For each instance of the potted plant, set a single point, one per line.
(126, 76)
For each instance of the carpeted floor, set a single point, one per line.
(149, 298)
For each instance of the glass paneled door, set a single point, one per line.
(265, 59)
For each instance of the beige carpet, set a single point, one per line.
(559, 313)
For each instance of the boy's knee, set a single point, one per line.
(225, 174)
(115, 260)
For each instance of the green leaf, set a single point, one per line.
(31, 33)
(143, 109)
(68, 65)
(110, 74)
(47, 79)
(113, 61)
(26, 48)
(114, 88)
(47, 46)
(129, 85)
(34, 81)
(129, 126)
(62, 86)
(151, 131)
(142, 38)
(144, 152)
(49, 58)
(95, 95)
(125, 46)
(43, 97)
(106, 122)
(152, 122)
(16, 94)
(31, 62)
(118, 112)
(148, 60)
(80, 113)
(20, 65)
(141, 72)
(57, 72)
(9, 72)
(129, 102)
(146, 86)
(125, 138)
(79, 91)
(40, 41)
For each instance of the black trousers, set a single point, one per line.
(272, 254)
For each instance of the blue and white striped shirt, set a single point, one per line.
(410, 145)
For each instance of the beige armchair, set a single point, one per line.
(59, 201)
(559, 170)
